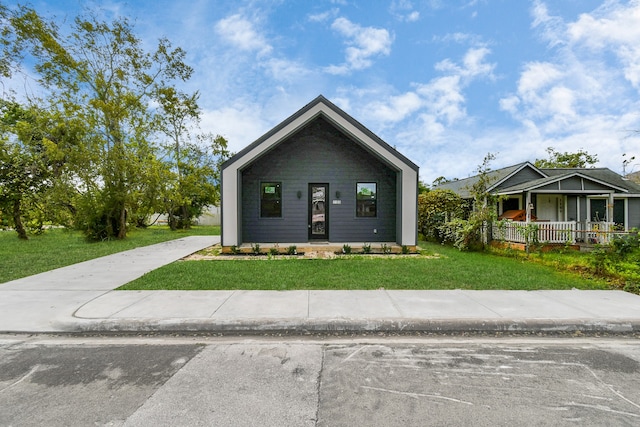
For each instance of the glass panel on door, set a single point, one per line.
(318, 211)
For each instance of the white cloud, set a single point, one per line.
(614, 28)
(473, 64)
(510, 104)
(444, 99)
(240, 32)
(240, 124)
(363, 44)
(403, 10)
(537, 76)
(423, 116)
(285, 70)
(324, 16)
(549, 27)
(580, 87)
(458, 37)
(397, 108)
(443, 96)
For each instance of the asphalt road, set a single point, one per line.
(319, 381)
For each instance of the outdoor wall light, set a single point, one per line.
(337, 194)
(299, 194)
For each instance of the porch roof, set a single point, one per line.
(499, 177)
(602, 176)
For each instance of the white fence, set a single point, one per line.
(554, 232)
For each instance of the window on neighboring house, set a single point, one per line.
(598, 210)
(366, 199)
(270, 199)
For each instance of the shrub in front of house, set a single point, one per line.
(435, 208)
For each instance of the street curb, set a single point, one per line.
(307, 326)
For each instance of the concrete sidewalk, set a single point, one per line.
(79, 298)
(47, 302)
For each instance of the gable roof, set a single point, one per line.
(407, 171)
(463, 187)
(321, 106)
(602, 176)
(558, 177)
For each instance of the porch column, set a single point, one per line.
(610, 208)
(528, 206)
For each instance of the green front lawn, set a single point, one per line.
(59, 247)
(450, 269)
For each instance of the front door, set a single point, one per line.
(318, 211)
(550, 207)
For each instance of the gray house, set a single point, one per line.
(319, 176)
(566, 205)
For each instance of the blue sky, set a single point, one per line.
(443, 81)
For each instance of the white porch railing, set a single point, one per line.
(553, 232)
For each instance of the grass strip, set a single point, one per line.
(60, 247)
(451, 269)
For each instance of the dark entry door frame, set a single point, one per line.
(318, 211)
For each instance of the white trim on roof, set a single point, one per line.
(559, 178)
(522, 166)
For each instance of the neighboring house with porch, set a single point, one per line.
(565, 205)
(319, 176)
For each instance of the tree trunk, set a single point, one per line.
(17, 220)
(186, 220)
(122, 224)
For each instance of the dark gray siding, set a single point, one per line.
(634, 212)
(584, 215)
(572, 183)
(572, 208)
(318, 153)
(549, 187)
(525, 175)
(591, 185)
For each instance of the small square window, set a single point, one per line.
(366, 199)
(271, 199)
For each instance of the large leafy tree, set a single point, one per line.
(100, 75)
(193, 160)
(23, 164)
(579, 159)
(198, 184)
(32, 162)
